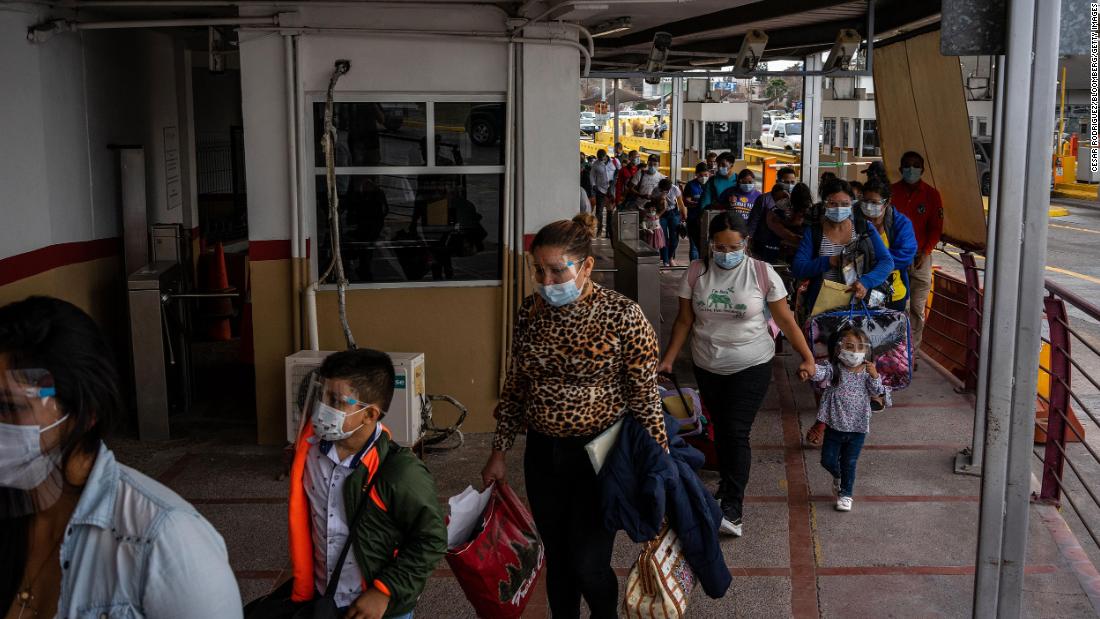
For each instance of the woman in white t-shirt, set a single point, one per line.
(722, 305)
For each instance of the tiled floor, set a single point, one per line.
(906, 550)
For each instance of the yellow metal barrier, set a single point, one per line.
(756, 155)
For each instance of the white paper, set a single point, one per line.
(466, 511)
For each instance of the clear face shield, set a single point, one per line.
(31, 477)
(332, 403)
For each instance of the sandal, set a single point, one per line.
(816, 435)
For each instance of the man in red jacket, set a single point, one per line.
(921, 203)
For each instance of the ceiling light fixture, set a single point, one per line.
(611, 27)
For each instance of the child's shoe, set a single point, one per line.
(844, 504)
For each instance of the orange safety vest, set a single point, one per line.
(301, 527)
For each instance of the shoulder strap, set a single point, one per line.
(334, 578)
(762, 280)
(888, 223)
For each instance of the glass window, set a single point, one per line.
(982, 126)
(870, 139)
(432, 218)
(845, 134)
(412, 228)
(374, 134)
(469, 134)
(828, 134)
(723, 136)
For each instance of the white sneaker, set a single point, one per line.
(731, 528)
(844, 504)
(836, 486)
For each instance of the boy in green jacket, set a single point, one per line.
(400, 537)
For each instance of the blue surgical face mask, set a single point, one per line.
(23, 464)
(560, 294)
(747, 187)
(729, 259)
(724, 170)
(652, 169)
(838, 214)
(788, 187)
(911, 175)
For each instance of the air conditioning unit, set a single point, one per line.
(404, 417)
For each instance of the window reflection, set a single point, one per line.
(402, 228)
(469, 134)
(374, 134)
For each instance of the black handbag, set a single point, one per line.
(278, 605)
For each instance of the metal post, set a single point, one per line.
(1014, 307)
(970, 460)
(1058, 407)
(675, 129)
(615, 112)
(811, 117)
(973, 320)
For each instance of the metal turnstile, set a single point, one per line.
(159, 352)
(637, 275)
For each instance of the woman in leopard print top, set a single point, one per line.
(582, 356)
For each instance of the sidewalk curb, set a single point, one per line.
(1072, 553)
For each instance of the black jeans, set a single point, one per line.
(733, 402)
(565, 501)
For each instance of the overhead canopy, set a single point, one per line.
(624, 96)
(926, 112)
(715, 28)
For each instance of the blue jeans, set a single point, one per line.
(670, 224)
(694, 229)
(839, 455)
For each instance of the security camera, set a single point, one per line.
(752, 50)
(844, 50)
(662, 43)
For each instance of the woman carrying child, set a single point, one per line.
(850, 381)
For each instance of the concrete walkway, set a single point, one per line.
(906, 550)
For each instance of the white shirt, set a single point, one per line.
(645, 184)
(673, 193)
(586, 205)
(601, 175)
(730, 333)
(324, 485)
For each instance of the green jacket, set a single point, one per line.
(397, 549)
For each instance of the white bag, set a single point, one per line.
(661, 582)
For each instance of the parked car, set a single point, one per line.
(983, 161)
(486, 124)
(784, 134)
(766, 123)
(589, 126)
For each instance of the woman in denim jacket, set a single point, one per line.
(82, 535)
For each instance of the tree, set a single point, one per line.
(776, 88)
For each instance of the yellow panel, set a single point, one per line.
(920, 105)
(94, 286)
(272, 343)
(457, 329)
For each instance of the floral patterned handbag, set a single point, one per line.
(660, 583)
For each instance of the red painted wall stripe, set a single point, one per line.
(29, 264)
(278, 249)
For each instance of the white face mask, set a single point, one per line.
(328, 422)
(851, 359)
(23, 464)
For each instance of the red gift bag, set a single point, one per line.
(498, 569)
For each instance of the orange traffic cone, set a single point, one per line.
(216, 312)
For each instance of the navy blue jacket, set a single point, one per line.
(641, 485)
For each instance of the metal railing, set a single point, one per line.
(1065, 432)
(1060, 438)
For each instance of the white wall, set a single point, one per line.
(551, 178)
(379, 64)
(64, 101)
